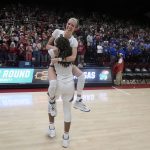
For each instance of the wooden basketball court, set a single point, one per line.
(119, 120)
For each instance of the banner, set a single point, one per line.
(14, 75)
(98, 75)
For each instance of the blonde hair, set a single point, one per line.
(76, 21)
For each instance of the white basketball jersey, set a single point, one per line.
(64, 73)
(73, 41)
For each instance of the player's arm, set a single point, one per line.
(67, 59)
(73, 56)
(52, 50)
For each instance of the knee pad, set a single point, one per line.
(80, 83)
(67, 117)
(52, 88)
(67, 111)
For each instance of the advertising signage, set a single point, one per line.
(97, 76)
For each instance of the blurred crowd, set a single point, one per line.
(25, 30)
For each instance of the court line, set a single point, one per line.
(122, 91)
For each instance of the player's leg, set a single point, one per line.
(67, 97)
(78, 104)
(51, 128)
(51, 91)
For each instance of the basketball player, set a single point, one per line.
(71, 26)
(64, 88)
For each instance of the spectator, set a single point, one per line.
(118, 69)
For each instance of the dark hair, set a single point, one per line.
(65, 49)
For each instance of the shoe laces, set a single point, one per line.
(80, 101)
(51, 129)
(65, 138)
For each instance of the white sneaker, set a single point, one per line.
(51, 132)
(52, 108)
(80, 105)
(65, 142)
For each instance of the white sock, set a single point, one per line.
(78, 98)
(66, 135)
(51, 125)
